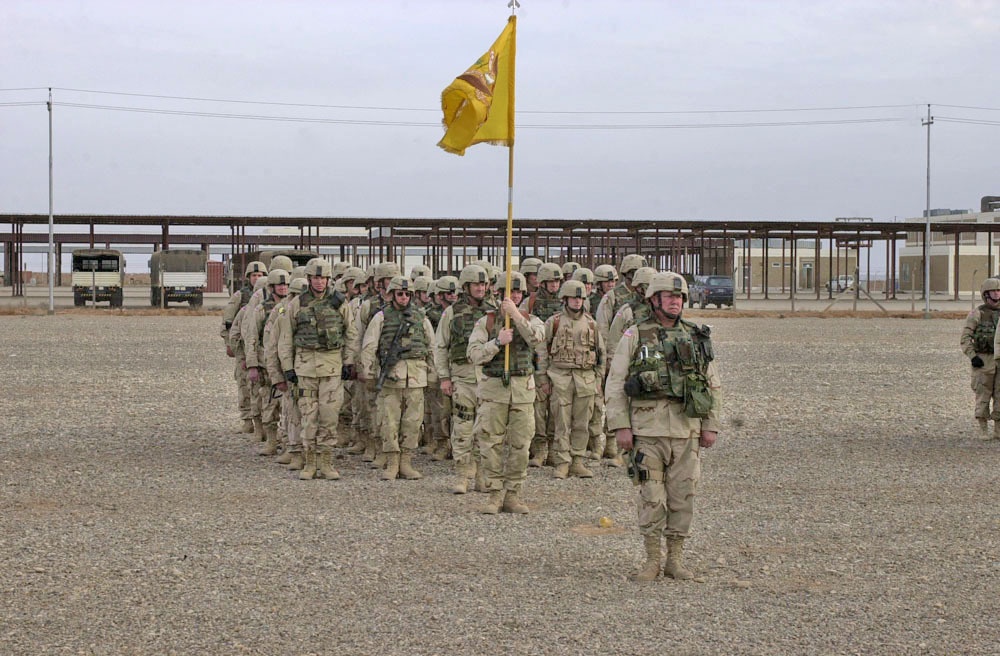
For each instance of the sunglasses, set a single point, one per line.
(398, 293)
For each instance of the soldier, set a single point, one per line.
(371, 414)
(543, 303)
(239, 350)
(568, 269)
(605, 277)
(290, 423)
(318, 340)
(507, 413)
(634, 310)
(664, 400)
(457, 374)
(398, 339)
(339, 268)
(570, 362)
(420, 271)
(529, 269)
(586, 276)
(421, 293)
(252, 329)
(445, 294)
(240, 298)
(353, 284)
(978, 339)
(619, 295)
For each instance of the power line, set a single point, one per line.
(22, 104)
(971, 121)
(985, 109)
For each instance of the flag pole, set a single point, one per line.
(513, 4)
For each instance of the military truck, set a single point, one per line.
(178, 274)
(98, 275)
(238, 264)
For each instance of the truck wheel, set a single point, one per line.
(78, 301)
(196, 302)
(117, 299)
(154, 298)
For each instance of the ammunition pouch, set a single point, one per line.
(463, 412)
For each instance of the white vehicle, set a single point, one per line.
(98, 275)
(842, 283)
(178, 275)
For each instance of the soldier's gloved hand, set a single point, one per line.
(253, 375)
(230, 353)
(977, 362)
(291, 377)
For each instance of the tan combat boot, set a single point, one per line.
(285, 457)
(380, 458)
(651, 568)
(541, 454)
(391, 470)
(406, 469)
(493, 503)
(561, 471)
(357, 448)
(461, 485)
(309, 468)
(258, 429)
(512, 504)
(247, 426)
(270, 446)
(441, 452)
(480, 477)
(325, 467)
(984, 427)
(579, 470)
(675, 561)
(297, 461)
(369, 453)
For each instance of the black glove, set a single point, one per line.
(633, 387)
(291, 377)
(977, 362)
(347, 372)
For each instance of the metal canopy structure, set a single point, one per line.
(699, 247)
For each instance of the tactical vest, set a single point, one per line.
(413, 342)
(434, 312)
(982, 335)
(623, 295)
(567, 354)
(319, 326)
(543, 304)
(595, 301)
(671, 364)
(522, 356)
(268, 305)
(462, 321)
(245, 293)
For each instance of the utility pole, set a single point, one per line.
(52, 260)
(927, 216)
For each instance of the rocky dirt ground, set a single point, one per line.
(849, 508)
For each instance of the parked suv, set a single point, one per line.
(711, 289)
(842, 283)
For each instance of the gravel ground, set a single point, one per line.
(848, 509)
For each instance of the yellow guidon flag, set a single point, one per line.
(479, 105)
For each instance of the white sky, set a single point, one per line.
(573, 55)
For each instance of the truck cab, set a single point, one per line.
(98, 275)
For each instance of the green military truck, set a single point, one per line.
(98, 275)
(238, 264)
(179, 275)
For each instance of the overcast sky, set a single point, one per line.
(609, 59)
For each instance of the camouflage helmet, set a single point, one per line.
(549, 271)
(298, 272)
(989, 285)
(319, 267)
(386, 270)
(297, 286)
(487, 265)
(584, 275)
(354, 273)
(668, 281)
(643, 276)
(370, 272)
(255, 267)
(572, 289)
(420, 271)
(339, 267)
(568, 268)
(630, 263)
(517, 281)
(421, 284)
(282, 262)
(400, 283)
(473, 273)
(278, 277)
(605, 273)
(261, 282)
(447, 285)
(529, 265)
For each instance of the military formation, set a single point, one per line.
(548, 366)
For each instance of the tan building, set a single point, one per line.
(969, 261)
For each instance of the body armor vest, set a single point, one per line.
(245, 293)
(565, 352)
(522, 356)
(982, 335)
(268, 305)
(462, 321)
(543, 304)
(671, 363)
(623, 295)
(413, 342)
(434, 312)
(595, 301)
(319, 326)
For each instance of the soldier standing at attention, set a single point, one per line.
(543, 303)
(457, 374)
(529, 269)
(318, 340)
(445, 294)
(620, 294)
(397, 351)
(978, 344)
(570, 362)
(253, 341)
(290, 424)
(664, 400)
(240, 298)
(507, 414)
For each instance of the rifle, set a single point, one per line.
(392, 354)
